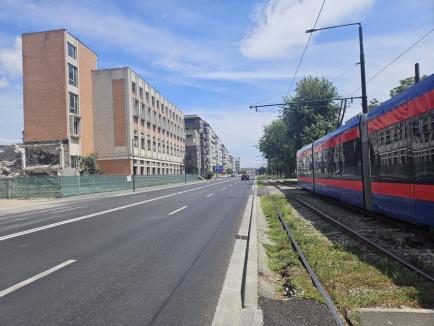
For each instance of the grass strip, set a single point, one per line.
(354, 276)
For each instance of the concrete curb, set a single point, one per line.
(396, 316)
(231, 310)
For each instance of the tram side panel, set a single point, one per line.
(401, 136)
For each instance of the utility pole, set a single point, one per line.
(362, 60)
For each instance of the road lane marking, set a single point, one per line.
(178, 210)
(223, 188)
(207, 196)
(76, 219)
(66, 209)
(36, 277)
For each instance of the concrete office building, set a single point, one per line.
(134, 122)
(80, 110)
(57, 94)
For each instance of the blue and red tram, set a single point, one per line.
(397, 178)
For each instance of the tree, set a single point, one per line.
(403, 85)
(308, 115)
(262, 170)
(89, 165)
(373, 104)
(272, 145)
(229, 171)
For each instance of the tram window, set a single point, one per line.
(416, 129)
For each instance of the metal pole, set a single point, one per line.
(132, 155)
(416, 73)
(362, 72)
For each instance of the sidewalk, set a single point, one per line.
(12, 206)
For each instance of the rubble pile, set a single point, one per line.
(10, 161)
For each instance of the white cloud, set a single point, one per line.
(105, 24)
(280, 25)
(239, 129)
(3, 82)
(11, 60)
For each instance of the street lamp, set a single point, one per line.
(362, 60)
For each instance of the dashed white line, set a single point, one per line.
(223, 188)
(76, 219)
(177, 210)
(36, 277)
(207, 196)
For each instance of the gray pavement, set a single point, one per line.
(134, 265)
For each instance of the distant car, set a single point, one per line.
(245, 177)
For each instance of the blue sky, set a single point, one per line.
(215, 58)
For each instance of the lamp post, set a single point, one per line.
(362, 60)
(132, 156)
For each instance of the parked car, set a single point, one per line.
(245, 177)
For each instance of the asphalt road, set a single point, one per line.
(156, 258)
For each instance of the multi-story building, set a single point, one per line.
(237, 165)
(57, 93)
(205, 151)
(112, 113)
(195, 157)
(134, 122)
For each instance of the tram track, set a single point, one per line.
(321, 289)
(358, 236)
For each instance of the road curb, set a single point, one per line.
(238, 301)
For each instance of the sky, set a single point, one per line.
(216, 58)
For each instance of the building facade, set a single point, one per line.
(80, 110)
(137, 130)
(195, 145)
(205, 150)
(57, 94)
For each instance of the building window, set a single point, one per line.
(142, 141)
(136, 139)
(133, 87)
(75, 161)
(73, 103)
(141, 92)
(74, 125)
(72, 75)
(72, 51)
(147, 97)
(153, 101)
(136, 108)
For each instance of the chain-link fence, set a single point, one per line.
(52, 186)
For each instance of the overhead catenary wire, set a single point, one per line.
(396, 58)
(305, 49)
(301, 59)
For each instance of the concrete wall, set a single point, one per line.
(86, 64)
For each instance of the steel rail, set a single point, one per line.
(362, 238)
(328, 300)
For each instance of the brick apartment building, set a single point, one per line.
(57, 93)
(111, 112)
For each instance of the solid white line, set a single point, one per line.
(207, 196)
(76, 219)
(35, 278)
(178, 210)
(66, 209)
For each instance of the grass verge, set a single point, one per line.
(353, 276)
